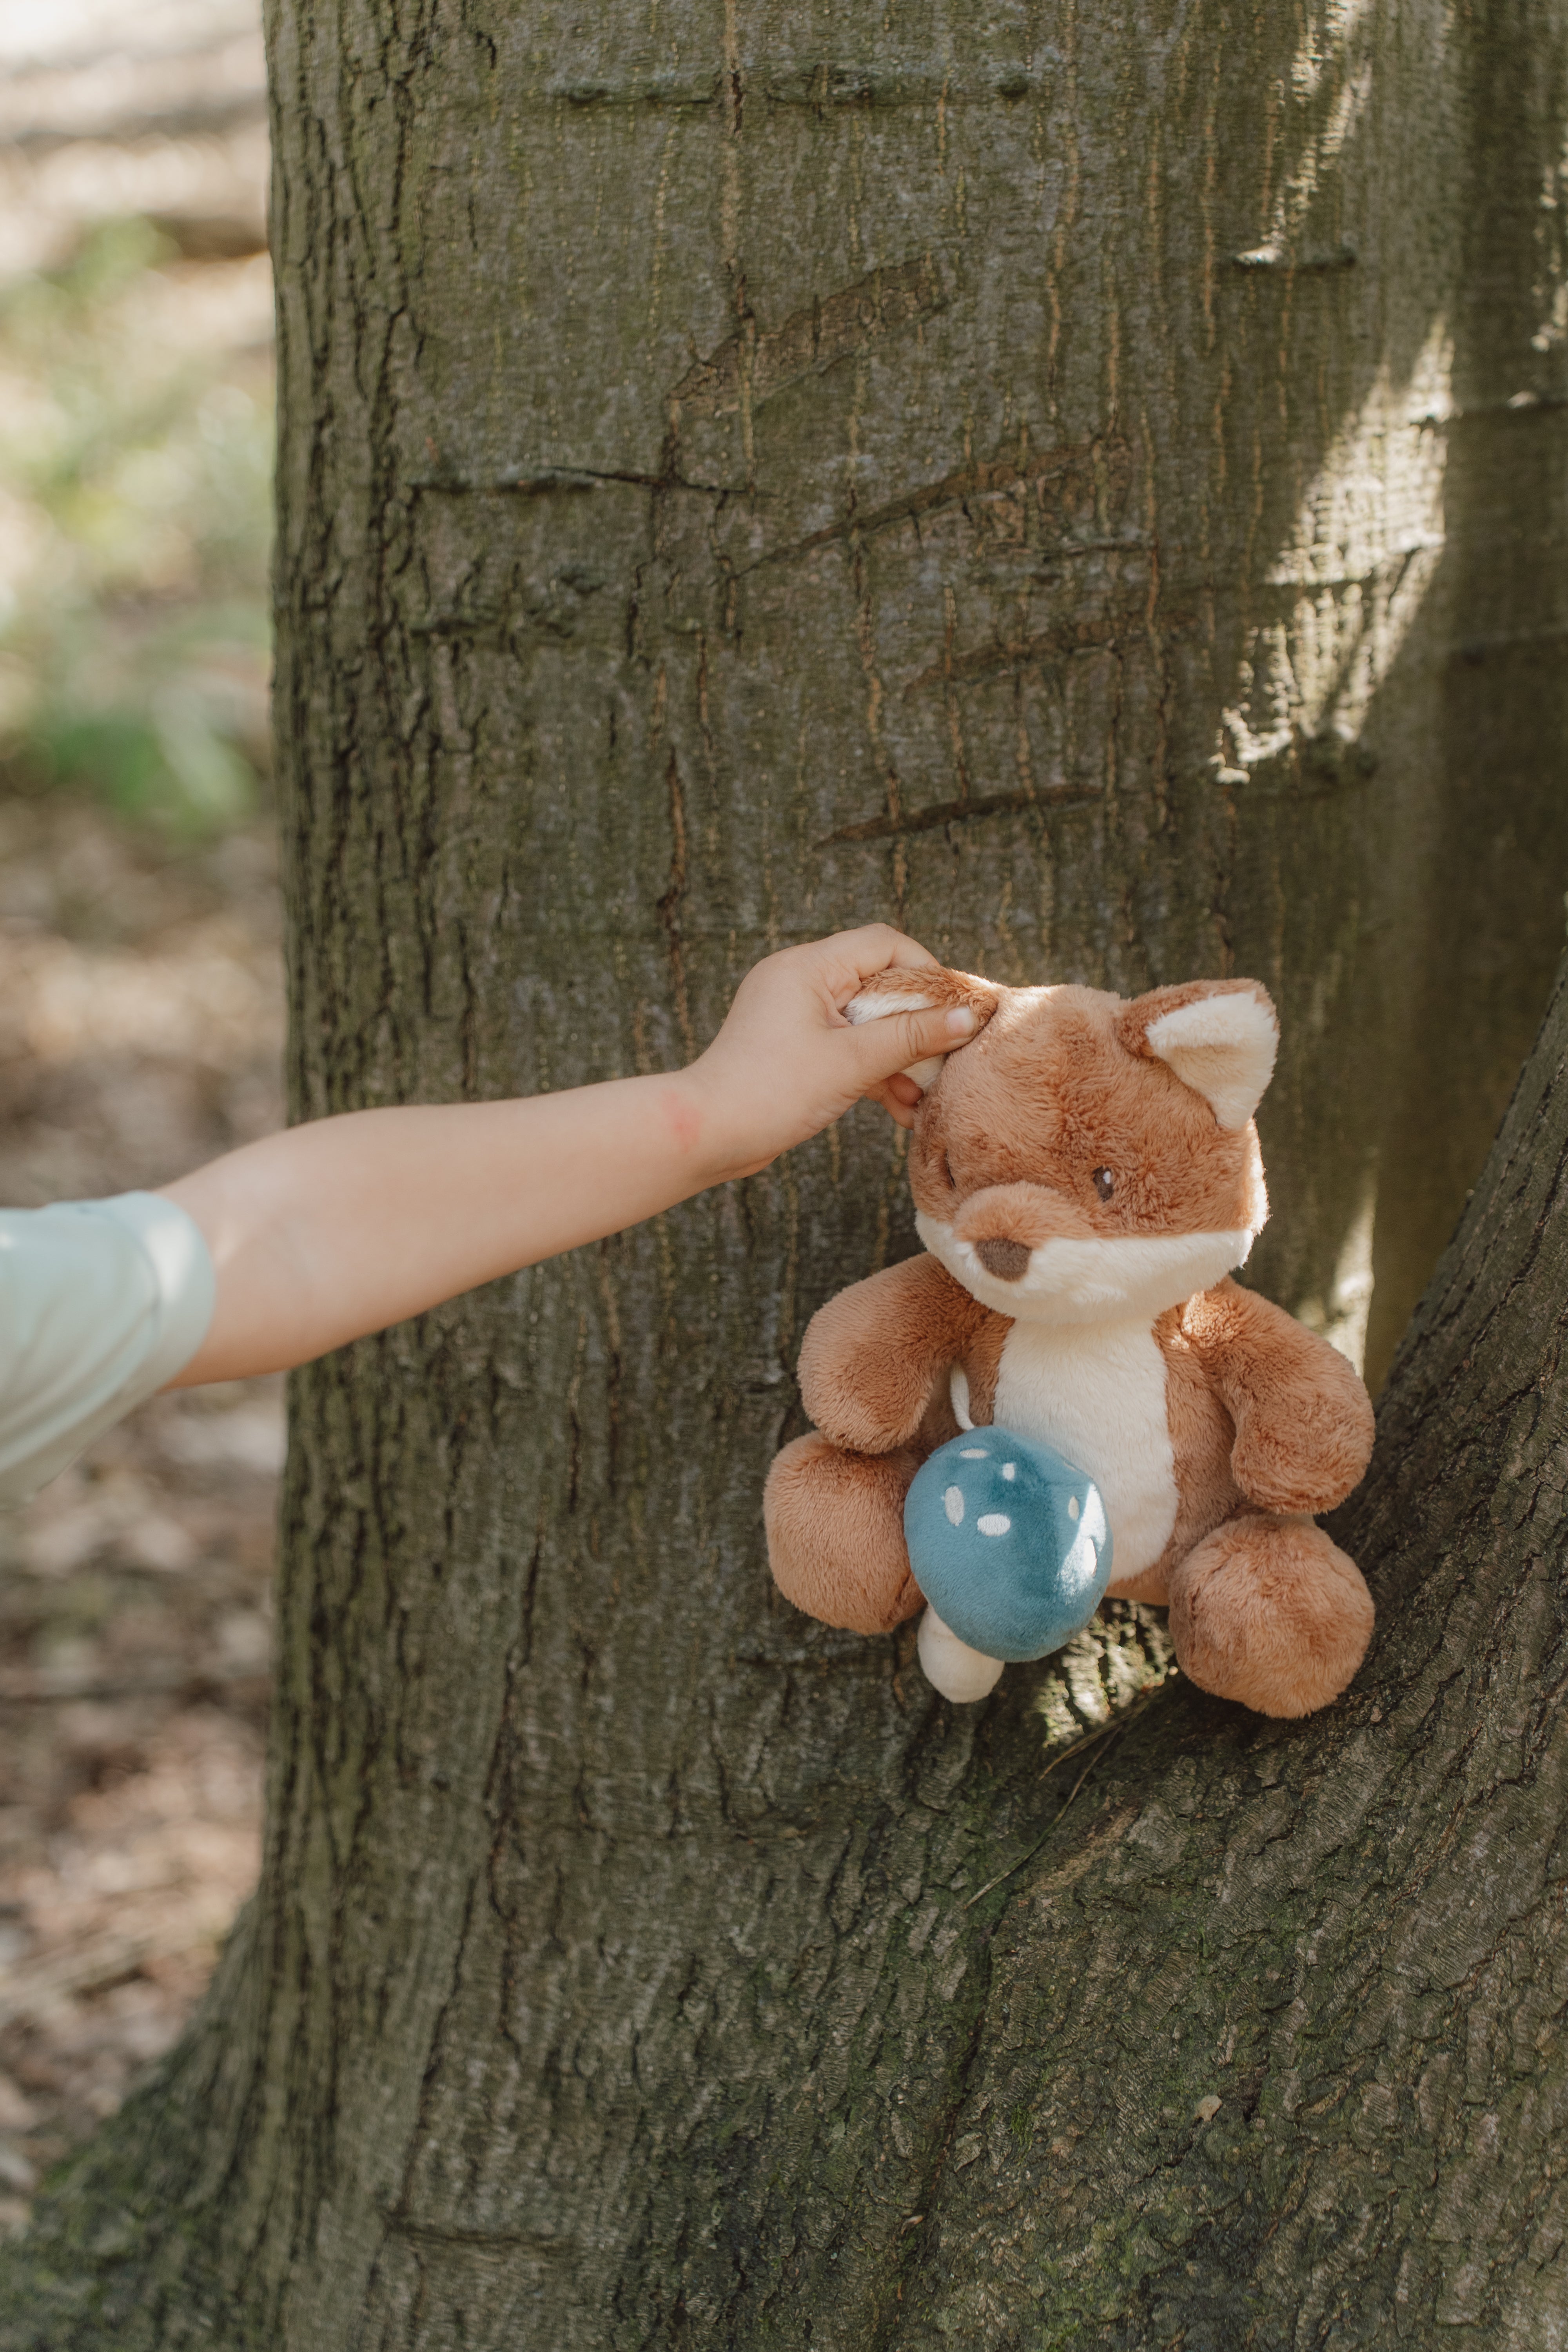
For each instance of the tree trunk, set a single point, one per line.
(1090, 489)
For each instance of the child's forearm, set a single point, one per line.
(333, 1230)
(338, 1229)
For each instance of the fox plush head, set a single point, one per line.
(1086, 1156)
(1086, 1177)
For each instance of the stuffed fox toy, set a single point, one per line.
(1086, 1177)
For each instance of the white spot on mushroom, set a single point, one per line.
(1009, 1469)
(972, 1452)
(953, 1503)
(995, 1523)
(1072, 1507)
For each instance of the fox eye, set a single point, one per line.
(1104, 1182)
(944, 1170)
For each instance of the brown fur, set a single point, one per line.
(1202, 1435)
(1265, 1421)
(1047, 1093)
(870, 1358)
(1269, 1611)
(873, 1373)
(1303, 1420)
(982, 1363)
(835, 1534)
(938, 1423)
(1137, 1018)
(936, 984)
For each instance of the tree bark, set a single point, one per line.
(1091, 490)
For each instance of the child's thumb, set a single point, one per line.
(913, 1041)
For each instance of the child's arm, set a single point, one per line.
(339, 1228)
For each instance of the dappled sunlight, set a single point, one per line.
(1330, 84)
(1367, 542)
(1315, 734)
(1343, 1312)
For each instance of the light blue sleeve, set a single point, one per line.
(101, 1303)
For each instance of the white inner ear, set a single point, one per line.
(871, 1006)
(1223, 1047)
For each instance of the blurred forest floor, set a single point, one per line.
(140, 1015)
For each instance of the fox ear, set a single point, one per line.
(1219, 1037)
(905, 988)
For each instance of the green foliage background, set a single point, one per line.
(135, 520)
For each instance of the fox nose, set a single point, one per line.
(1006, 1260)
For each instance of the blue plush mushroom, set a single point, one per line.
(1009, 1543)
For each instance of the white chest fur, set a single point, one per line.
(1098, 1395)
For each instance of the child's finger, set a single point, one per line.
(897, 1106)
(862, 953)
(900, 1040)
(898, 1096)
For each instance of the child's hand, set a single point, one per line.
(786, 1063)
